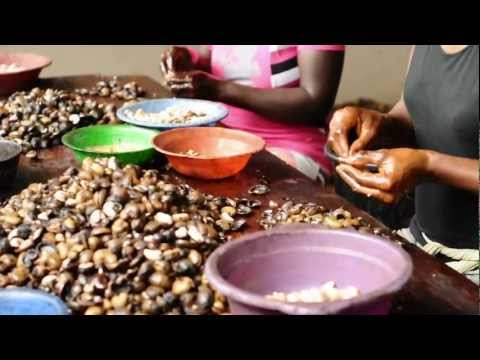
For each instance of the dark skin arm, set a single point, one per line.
(308, 104)
(399, 169)
(454, 171)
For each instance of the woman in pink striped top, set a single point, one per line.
(282, 93)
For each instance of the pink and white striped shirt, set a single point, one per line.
(268, 67)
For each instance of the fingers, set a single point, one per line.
(180, 59)
(163, 67)
(166, 66)
(180, 77)
(178, 81)
(338, 142)
(384, 196)
(180, 86)
(367, 179)
(367, 131)
(365, 159)
(177, 86)
(368, 126)
(365, 138)
(169, 63)
(342, 122)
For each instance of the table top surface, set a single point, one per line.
(433, 289)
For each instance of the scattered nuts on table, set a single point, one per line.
(260, 189)
(112, 89)
(91, 243)
(312, 213)
(37, 119)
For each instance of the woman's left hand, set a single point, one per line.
(198, 85)
(399, 170)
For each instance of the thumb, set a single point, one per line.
(366, 136)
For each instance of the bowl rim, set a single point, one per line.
(261, 143)
(251, 299)
(66, 139)
(47, 61)
(17, 152)
(36, 294)
(121, 113)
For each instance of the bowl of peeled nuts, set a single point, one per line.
(309, 270)
(20, 71)
(9, 157)
(172, 113)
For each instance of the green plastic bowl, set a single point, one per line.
(80, 140)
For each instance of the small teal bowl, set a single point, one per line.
(25, 301)
(215, 111)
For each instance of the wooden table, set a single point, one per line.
(434, 287)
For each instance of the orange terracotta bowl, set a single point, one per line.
(220, 152)
(25, 78)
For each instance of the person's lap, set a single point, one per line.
(302, 163)
(465, 261)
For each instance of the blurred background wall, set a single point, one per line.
(371, 71)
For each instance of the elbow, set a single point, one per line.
(317, 111)
(318, 103)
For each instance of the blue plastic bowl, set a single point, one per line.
(216, 112)
(23, 301)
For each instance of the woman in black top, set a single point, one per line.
(429, 141)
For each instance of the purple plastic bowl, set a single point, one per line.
(296, 257)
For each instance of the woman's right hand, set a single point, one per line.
(366, 124)
(175, 61)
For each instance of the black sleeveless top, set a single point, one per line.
(441, 94)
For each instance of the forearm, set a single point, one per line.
(291, 105)
(307, 104)
(451, 170)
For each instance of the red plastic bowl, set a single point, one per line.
(25, 78)
(223, 152)
(296, 257)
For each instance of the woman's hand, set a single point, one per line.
(175, 60)
(198, 85)
(399, 170)
(366, 123)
